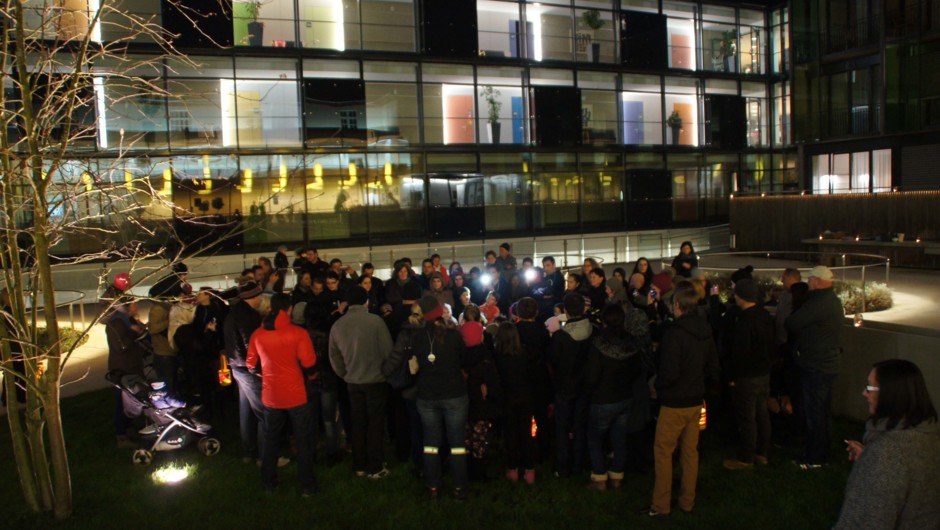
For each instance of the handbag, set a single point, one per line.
(402, 378)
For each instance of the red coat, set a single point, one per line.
(281, 351)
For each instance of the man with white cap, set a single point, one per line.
(814, 332)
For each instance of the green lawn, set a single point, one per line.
(110, 492)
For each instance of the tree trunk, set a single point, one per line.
(20, 450)
(62, 481)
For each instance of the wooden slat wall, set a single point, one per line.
(779, 223)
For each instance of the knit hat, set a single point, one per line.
(411, 291)
(180, 268)
(472, 333)
(746, 289)
(663, 282)
(431, 308)
(821, 272)
(742, 274)
(505, 246)
(356, 295)
(249, 290)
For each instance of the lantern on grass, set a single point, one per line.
(225, 374)
(535, 427)
(703, 419)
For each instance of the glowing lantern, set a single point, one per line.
(535, 427)
(703, 419)
(225, 374)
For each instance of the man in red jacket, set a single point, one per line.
(284, 350)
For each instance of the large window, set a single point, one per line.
(858, 172)
(263, 101)
(642, 110)
(501, 104)
(599, 107)
(449, 111)
(682, 101)
(392, 103)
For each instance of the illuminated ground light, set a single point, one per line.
(172, 473)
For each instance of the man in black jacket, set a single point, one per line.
(687, 357)
(241, 322)
(752, 346)
(814, 332)
(568, 354)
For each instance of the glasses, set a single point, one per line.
(870, 388)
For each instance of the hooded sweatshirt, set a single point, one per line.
(568, 354)
(687, 357)
(281, 351)
(613, 365)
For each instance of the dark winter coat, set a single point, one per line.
(613, 365)
(568, 354)
(687, 358)
(813, 330)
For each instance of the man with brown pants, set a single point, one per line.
(687, 356)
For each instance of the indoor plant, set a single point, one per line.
(491, 96)
(255, 27)
(674, 121)
(729, 45)
(592, 19)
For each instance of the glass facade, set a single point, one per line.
(339, 121)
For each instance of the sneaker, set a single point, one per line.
(461, 494)
(597, 485)
(615, 483)
(735, 464)
(382, 473)
(651, 512)
(281, 461)
(762, 460)
(529, 476)
(512, 475)
(806, 466)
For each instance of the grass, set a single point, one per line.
(110, 492)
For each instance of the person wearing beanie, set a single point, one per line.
(242, 320)
(359, 343)
(442, 399)
(748, 367)
(744, 273)
(506, 261)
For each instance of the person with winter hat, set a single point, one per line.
(442, 398)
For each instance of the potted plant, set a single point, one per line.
(592, 19)
(674, 121)
(729, 45)
(491, 96)
(255, 28)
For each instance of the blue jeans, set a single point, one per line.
(817, 404)
(608, 418)
(274, 420)
(250, 410)
(570, 426)
(449, 415)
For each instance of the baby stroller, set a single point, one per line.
(170, 424)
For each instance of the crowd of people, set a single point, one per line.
(598, 374)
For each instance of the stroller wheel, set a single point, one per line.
(209, 446)
(142, 457)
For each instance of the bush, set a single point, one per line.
(67, 336)
(878, 296)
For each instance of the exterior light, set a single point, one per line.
(388, 173)
(128, 180)
(86, 178)
(859, 320)
(247, 181)
(167, 182)
(171, 474)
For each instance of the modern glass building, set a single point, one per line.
(866, 94)
(357, 122)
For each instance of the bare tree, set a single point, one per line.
(60, 77)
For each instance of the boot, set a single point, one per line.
(598, 483)
(614, 480)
